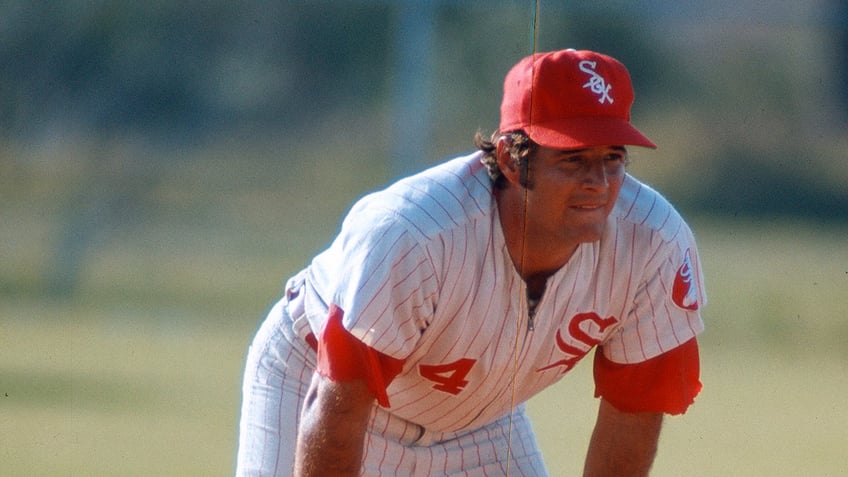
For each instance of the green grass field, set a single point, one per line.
(138, 373)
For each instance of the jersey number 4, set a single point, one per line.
(450, 377)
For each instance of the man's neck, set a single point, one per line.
(534, 261)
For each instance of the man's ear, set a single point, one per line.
(507, 164)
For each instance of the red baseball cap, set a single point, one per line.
(571, 99)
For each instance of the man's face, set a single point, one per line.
(571, 193)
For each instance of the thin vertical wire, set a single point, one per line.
(522, 295)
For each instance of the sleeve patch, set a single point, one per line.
(684, 292)
(342, 357)
(666, 383)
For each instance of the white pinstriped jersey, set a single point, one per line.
(422, 273)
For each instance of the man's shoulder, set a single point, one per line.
(446, 195)
(640, 205)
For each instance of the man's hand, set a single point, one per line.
(332, 428)
(623, 444)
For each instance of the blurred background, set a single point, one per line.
(165, 166)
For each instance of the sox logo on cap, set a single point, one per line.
(596, 84)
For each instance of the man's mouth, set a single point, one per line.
(588, 206)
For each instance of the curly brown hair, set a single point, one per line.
(520, 148)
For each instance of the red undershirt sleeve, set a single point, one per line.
(342, 358)
(666, 383)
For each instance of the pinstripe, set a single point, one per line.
(409, 292)
(384, 254)
(371, 444)
(612, 269)
(656, 242)
(667, 315)
(276, 380)
(639, 337)
(659, 342)
(650, 210)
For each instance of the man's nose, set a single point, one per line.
(595, 174)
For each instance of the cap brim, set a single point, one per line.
(576, 133)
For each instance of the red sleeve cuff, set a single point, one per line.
(342, 357)
(667, 383)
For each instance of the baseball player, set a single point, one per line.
(448, 299)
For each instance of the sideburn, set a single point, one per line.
(524, 173)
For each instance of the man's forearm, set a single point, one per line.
(622, 444)
(332, 429)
